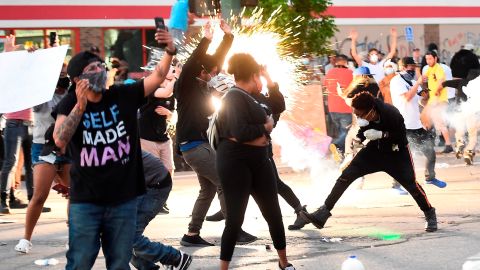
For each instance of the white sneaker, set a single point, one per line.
(23, 246)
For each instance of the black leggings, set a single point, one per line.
(246, 170)
(397, 164)
(284, 190)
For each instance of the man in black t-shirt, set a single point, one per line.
(100, 129)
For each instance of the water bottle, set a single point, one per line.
(473, 263)
(352, 263)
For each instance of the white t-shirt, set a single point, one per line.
(376, 69)
(409, 109)
(42, 118)
(448, 76)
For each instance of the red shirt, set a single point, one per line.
(343, 76)
(26, 115)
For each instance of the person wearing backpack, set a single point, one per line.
(243, 161)
(404, 89)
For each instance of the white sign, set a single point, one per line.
(409, 33)
(29, 79)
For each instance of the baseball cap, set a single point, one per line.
(79, 62)
(362, 71)
(407, 60)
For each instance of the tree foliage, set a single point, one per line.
(313, 31)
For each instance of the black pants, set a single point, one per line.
(283, 189)
(246, 170)
(397, 164)
(423, 140)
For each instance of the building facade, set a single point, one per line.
(119, 27)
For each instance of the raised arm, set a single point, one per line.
(393, 43)
(353, 48)
(192, 66)
(152, 82)
(413, 90)
(225, 45)
(275, 98)
(65, 126)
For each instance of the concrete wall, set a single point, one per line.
(449, 38)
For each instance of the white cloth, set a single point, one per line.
(42, 118)
(409, 109)
(376, 69)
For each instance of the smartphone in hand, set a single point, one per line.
(53, 38)
(160, 24)
(61, 189)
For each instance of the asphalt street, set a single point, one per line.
(384, 229)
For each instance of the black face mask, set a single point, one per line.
(63, 83)
(411, 73)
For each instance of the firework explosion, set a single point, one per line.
(304, 144)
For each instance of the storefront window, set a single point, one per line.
(29, 38)
(126, 45)
(65, 37)
(40, 38)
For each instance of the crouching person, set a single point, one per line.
(146, 253)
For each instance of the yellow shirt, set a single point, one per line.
(435, 75)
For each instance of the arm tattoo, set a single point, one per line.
(68, 127)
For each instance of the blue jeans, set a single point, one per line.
(146, 252)
(16, 136)
(92, 225)
(341, 122)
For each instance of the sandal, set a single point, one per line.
(288, 267)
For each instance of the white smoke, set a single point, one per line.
(304, 149)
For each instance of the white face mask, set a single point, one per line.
(362, 122)
(213, 81)
(374, 58)
(389, 71)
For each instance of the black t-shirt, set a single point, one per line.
(105, 149)
(153, 127)
(241, 117)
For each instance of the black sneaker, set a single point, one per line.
(185, 261)
(215, 217)
(447, 149)
(164, 210)
(194, 241)
(46, 209)
(430, 220)
(317, 218)
(17, 203)
(5, 209)
(299, 221)
(245, 238)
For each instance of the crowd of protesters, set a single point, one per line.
(96, 133)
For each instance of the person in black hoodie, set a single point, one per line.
(194, 105)
(387, 150)
(243, 161)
